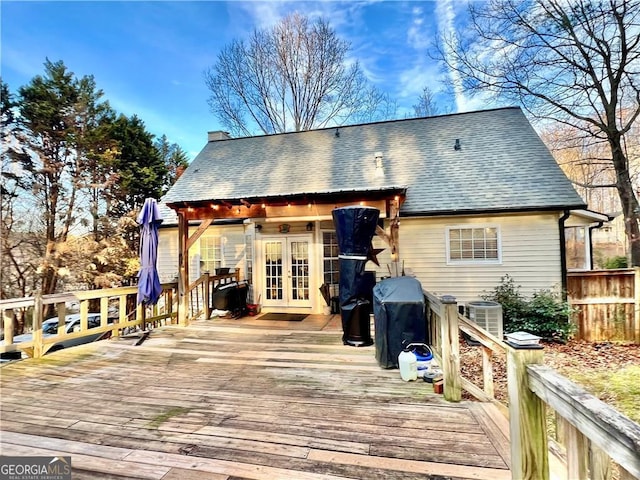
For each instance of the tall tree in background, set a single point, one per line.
(426, 105)
(174, 158)
(140, 170)
(73, 177)
(58, 113)
(574, 61)
(16, 272)
(291, 77)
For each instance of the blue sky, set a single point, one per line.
(149, 57)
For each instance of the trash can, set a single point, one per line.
(399, 312)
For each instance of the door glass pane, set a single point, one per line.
(299, 270)
(273, 270)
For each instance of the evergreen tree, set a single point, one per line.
(140, 170)
(174, 157)
(59, 114)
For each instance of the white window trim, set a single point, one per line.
(220, 240)
(321, 246)
(496, 261)
(587, 250)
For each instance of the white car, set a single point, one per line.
(72, 324)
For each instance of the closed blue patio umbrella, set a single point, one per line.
(149, 288)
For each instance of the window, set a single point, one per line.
(210, 254)
(473, 244)
(248, 264)
(330, 261)
(576, 248)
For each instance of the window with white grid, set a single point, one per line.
(473, 244)
(210, 254)
(330, 261)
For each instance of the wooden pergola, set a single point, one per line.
(294, 207)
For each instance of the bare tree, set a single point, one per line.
(587, 166)
(574, 61)
(294, 76)
(426, 106)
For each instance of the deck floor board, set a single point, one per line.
(242, 399)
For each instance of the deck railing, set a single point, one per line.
(118, 308)
(201, 291)
(595, 434)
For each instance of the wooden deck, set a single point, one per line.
(243, 399)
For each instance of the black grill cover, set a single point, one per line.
(399, 311)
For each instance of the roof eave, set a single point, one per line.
(485, 211)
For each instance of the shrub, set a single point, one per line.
(619, 261)
(546, 314)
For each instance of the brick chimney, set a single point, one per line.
(217, 135)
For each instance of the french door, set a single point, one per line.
(286, 271)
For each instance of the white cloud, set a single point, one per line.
(418, 36)
(446, 27)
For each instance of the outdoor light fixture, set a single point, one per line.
(310, 227)
(259, 228)
(379, 172)
(457, 145)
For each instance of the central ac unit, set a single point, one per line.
(487, 315)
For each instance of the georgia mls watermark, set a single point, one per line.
(35, 468)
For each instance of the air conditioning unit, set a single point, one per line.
(487, 315)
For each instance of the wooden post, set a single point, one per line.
(84, 315)
(636, 305)
(577, 452)
(122, 315)
(206, 295)
(527, 421)
(394, 234)
(183, 269)
(487, 372)
(599, 464)
(141, 315)
(38, 313)
(450, 349)
(8, 318)
(104, 311)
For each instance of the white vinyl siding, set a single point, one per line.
(231, 250)
(168, 254)
(530, 255)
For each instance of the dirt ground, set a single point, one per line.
(589, 364)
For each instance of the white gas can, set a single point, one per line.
(408, 365)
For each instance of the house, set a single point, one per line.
(465, 199)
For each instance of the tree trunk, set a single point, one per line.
(628, 199)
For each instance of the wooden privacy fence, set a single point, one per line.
(607, 303)
(595, 435)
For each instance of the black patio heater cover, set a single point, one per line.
(355, 228)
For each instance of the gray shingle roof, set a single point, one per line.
(502, 164)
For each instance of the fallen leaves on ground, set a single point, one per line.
(608, 370)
